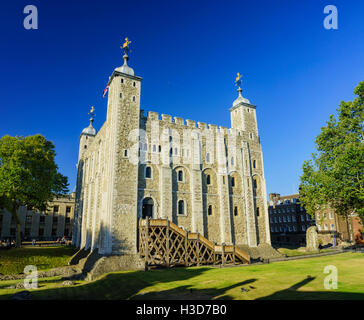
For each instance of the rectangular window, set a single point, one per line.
(55, 209)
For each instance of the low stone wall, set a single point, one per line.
(114, 263)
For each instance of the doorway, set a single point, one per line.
(147, 208)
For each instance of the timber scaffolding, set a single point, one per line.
(163, 243)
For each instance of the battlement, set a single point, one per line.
(151, 115)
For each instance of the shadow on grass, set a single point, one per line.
(127, 285)
(292, 293)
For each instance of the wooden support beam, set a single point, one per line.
(198, 249)
(167, 245)
(186, 249)
(223, 254)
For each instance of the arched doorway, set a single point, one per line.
(147, 208)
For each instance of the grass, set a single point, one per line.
(14, 260)
(295, 279)
(290, 252)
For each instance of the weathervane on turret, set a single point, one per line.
(92, 114)
(238, 82)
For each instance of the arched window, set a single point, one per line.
(181, 207)
(180, 175)
(232, 181)
(209, 210)
(254, 164)
(255, 185)
(235, 211)
(208, 179)
(148, 172)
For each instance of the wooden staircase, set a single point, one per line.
(163, 243)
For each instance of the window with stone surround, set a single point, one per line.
(236, 211)
(180, 175)
(148, 172)
(208, 179)
(181, 207)
(232, 181)
(209, 210)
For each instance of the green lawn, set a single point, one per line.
(295, 279)
(290, 252)
(14, 260)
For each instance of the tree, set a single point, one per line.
(335, 174)
(28, 175)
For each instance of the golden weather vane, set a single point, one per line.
(125, 45)
(91, 113)
(238, 79)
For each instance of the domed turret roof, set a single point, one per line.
(90, 130)
(240, 99)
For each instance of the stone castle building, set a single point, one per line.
(54, 223)
(204, 178)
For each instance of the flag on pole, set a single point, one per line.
(105, 91)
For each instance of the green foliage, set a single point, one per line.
(335, 174)
(28, 174)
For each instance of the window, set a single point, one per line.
(303, 227)
(134, 84)
(233, 182)
(209, 210)
(289, 218)
(319, 227)
(148, 172)
(257, 212)
(42, 219)
(180, 175)
(68, 211)
(232, 161)
(55, 220)
(181, 207)
(325, 226)
(255, 184)
(275, 219)
(154, 148)
(125, 153)
(332, 227)
(208, 179)
(121, 80)
(134, 99)
(330, 215)
(284, 219)
(28, 219)
(254, 164)
(280, 219)
(236, 211)
(293, 218)
(120, 95)
(68, 220)
(207, 157)
(294, 228)
(55, 209)
(302, 217)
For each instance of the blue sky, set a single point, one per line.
(188, 53)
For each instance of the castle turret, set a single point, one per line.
(243, 113)
(87, 135)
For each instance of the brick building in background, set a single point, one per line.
(288, 219)
(289, 222)
(55, 223)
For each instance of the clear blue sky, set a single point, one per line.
(188, 53)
